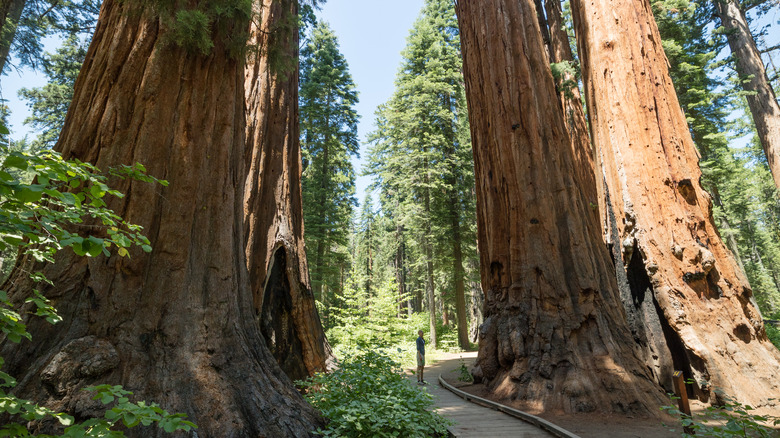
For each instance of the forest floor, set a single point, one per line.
(591, 425)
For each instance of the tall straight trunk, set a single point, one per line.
(175, 326)
(457, 253)
(10, 13)
(476, 302)
(369, 262)
(750, 68)
(400, 271)
(555, 333)
(458, 273)
(641, 309)
(429, 259)
(273, 217)
(664, 217)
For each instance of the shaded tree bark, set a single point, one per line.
(641, 309)
(554, 333)
(10, 13)
(399, 264)
(750, 68)
(664, 221)
(457, 256)
(573, 114)
(175, 326)
(273, 218)
(476, 304)
(429, 285)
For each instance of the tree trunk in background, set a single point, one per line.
(457, 269)
(400, 271)
(476, 304)
(273, 218)
(761, 98)
(429, 259)
(457, 254)
(554, 333)
(175, 326)
(663, 216)
(10, 13)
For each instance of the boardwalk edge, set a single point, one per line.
(533, 419)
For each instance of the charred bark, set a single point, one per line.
(555, 334)
(665, 228)
(273, 217)
(175, 326)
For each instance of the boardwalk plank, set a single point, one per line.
(474, 421)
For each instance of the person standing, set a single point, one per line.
(420, 358)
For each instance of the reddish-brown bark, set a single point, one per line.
(175, 326)
(554, 334)
(760, 96)
(663, 217)
(273, 218)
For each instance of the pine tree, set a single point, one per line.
(25, 23)
(759, 93)
(328, 140)
(421, 158)
(50, 103)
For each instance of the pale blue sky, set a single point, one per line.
(372, 34)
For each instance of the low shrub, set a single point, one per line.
(369, 396)
(732, 419)
(773, 333)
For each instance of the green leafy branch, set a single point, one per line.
(43, 199)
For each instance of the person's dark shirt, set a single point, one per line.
(421, 345)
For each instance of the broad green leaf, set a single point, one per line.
(15, 161)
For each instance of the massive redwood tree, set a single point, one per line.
(273, 218)
(675, 258)
(642, 315)
(555, 333)
(176, 326)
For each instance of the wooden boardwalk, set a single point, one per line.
(473, 420)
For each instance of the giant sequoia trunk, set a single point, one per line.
(273, 218)
(761, 96)
(175, 326)
(663, 217)
(554, 333)
(571, 102)
(641, 309)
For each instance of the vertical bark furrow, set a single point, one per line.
(663, 214)
(273, 216)
(180, 318)
(554, 333)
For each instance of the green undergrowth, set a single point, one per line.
(369, 396)
(43, 200)
(731, 419)
(773, 331)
